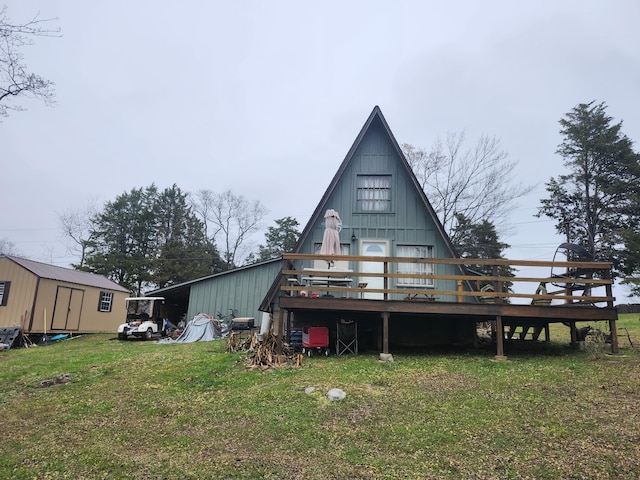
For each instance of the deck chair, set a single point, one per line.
(541, 290)
(346, 336)
(486, 299)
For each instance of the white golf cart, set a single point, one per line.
(144, 318)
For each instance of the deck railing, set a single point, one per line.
(594, 285)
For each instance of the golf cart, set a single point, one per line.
(144, 318)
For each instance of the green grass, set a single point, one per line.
(148, 411)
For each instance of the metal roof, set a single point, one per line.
(53, 272)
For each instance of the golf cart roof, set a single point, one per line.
(143, 298)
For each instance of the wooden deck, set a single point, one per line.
(571, 300)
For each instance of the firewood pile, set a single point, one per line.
(263, 353)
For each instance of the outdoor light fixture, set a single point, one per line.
(353, 237)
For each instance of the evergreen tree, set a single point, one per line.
(184, 252)
(480, 240)
(280, 239)
(596, 203)
(123, 242)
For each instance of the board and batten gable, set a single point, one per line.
(409, 220)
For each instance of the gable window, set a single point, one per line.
(374, 193)
(106, 299)
(415, 251)
(4, 293)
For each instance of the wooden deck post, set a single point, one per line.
(385, 332)
(288, 328)
(499, 339)
(497, 287)
(547, 333)
(613, 329)
(574, 333)
(614, 336)
(278, 329)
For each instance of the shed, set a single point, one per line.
(239, 290)
(37, 296)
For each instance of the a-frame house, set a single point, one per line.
(384, 213)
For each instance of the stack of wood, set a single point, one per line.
(263, 352)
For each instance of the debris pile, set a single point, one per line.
(264, 352)
(62, 379)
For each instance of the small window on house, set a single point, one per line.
(4, 293)
(106, 299)
(374, 193)
(415, 251)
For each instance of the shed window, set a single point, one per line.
(415, 251)
(374, 193)
(106, 299)
(4, 293)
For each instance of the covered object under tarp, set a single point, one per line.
(202, 328)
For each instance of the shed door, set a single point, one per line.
(373, 248)
(66, 312)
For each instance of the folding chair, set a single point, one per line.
(346, 336)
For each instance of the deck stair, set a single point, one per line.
(527, 332)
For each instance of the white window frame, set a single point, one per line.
(373, 193)
(106, 301)
(415, 251)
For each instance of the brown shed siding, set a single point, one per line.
(55, 305)
(21, 295)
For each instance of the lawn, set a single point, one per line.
(149, 411)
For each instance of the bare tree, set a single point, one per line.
(202, 203)
(233, 218)
(475, 182)
(15, 79)
(77, 224)
(7, 247)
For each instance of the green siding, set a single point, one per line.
(242, 289)
(408, 223)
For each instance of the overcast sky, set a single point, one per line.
(266, 97)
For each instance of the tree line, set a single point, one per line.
(149, 238)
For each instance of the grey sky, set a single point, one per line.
(266, 97)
